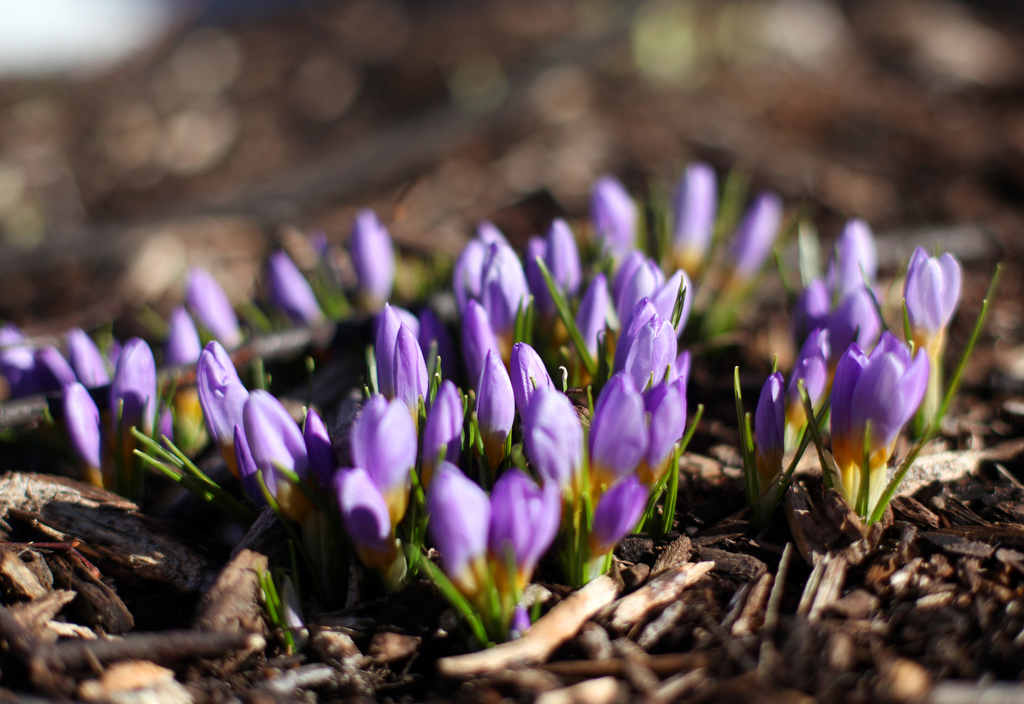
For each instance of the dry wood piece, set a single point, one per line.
(304, 677)
(960, 692)
(752, 615)
(676, 687)
(604, 690)
(113, 533)
(955, 464)
(634, 608)
(907, 508)
(677, 553)
(959, 545)
(661, 665)
(97, 604)
(634, 665)
(233, 602)
(594, 641)
(665, 622)
(17, 578)
(531, 680)
(551, 630)
(745, 568)
(386, 647)
(157, 647)
(135, 681)
(831, 585)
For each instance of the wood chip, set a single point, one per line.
(831, 586)
(386, 647)
(594, 641)
(959, 545)
(745, 568)
(634, 667)
(677, 687)
(232, 604)
(752, 615)
(677, 553)
(661, 665)
(857, 604)
(18, 580)
(631, 609)
(552, 629)
(604, 690)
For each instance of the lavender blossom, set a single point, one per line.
(460, 514)
(477, 340)
(614, 217)
(811, 309)
(593, 312)
(373, 258)
(811, 367)
(855, 319)
(86, 359)
(495, 408)
(18, 362)
(467, 276)
(290, 291)
(524, 520)
(646, 280)
(503, 293)
(618, 435)
(319, 449)
(562, 258)
(932, 293)
(528, 374)
(770, 430)
(133, 388)
(443, 428)
(432, 330)
(409, 370)
(630, 264)
(183, 346)
(854, 252)
(756, 235)
(384, 443)
(694, 206)
(617, 514)
(247, 469)
(367, 520)
(82, 422)
(389, 322)
(222, 398)
(664, 299)
(212, 308)
(666, 408)
(651, 353)
(553, 438)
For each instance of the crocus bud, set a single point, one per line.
(495, 408)
(290, 291)
(811, 309)
(366, 518)
(373, 258)
(770, 430)
(666, 408)
(467, 275)
(432, 330)
(593, 312)
(82, 420)
(664, 299)
(645, 281)
(528, 374)
(477, 340)
(409, 370)
(932, 292)
(247, 470)
(756, 235)
(855, 319)
(133, 388)
(694, 206)
(643, 312)
(524, 520)
(222, 398)
(182, 346)
(443, 427)
(52, 370)
(553, 438)
(460, 515)
(319, 449)
(165, 426)
(618, 435)
(520, 622)
(18, 362)
(389, 322)
(873, 397)
(276, 442)
(86, 359)
(614, 217)
(212, 308)
(811, 367)
(651, 353)
(625, 272)
(384, 443)
(617, 514)
(562, 258)
(503, 293)
(854, 251)
(537, 248)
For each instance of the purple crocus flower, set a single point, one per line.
(811, 367)
(373, 258)
(52, 370)
(133, 388)
(593, 312)
(212, 308)
(614, 216)
(756, 235)
(854, 251)
(617, 514)
(366, 518)
(524, 520)
(495, 408)
(17, 362)
(537, 248)
(664, 299)
(432, 330)
(467, 275)
(646, 280)
(528, 374)
(633, 261)
(477, 340)
(643, 312)
(82, 421)
(932, 292)
(651, 353)
(855, 319)
(520, 622)
(873, 397)
(182, 346)
(384, 443)
(666, 406)
(290, 291)
(460, 514)
(770, 430)
(319, 449)
(409, 370)
(618, 435)
(86, 359)
(503, 292)
(165, 426)
(694, 206)
(553, 438)
(443, 427)
(389, 322)
(276, 443)
(811, 309)
(222, 398)
(247, 470)
(562, 258)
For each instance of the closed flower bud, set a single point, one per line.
(222, 398)
(694, 206)
(384, 443)
(854, 252)
(247, 470)
(388, 323)
(503, 292)
(932, 292)
(409, 370)
(18, 362)
(182, 346)
(614, 217)
(651, 353)
(811, 309)
(82, 420)
(276, 442)
(373, 258)
(290, 291)
(618, 434)
(86, 359)
(756, 235)
(212, 308)
(495, 408)
(632, 261)
(477, 340)
(467, 275)
(553, 437)
(855, 319)
(432, 330)
(873, 397)
(770, 430)
(646, 280)
(664, 298)
(537, 248)
(524, 520)
(460, 515)
(643, 312)
(666, 408)
(617, 514)
(134, 386)
(366, 518)
(528, 374)
(593, 313)
(165, 426)
(811, 367)
(52, 369)
(319, 449)
(443, 427)
(563, 259)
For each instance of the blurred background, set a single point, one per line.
(138, 137)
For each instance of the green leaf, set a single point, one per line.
(456, 599)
